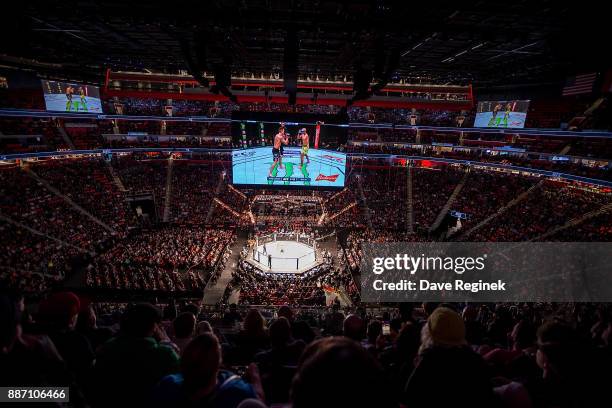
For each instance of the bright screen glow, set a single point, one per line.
(70, 97)
(501, 114)
(256, 166)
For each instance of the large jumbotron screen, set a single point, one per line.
(70, 97)
(256, 166)
(305, 157)
(501, 114)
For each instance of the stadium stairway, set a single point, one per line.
(168, 198)
(503, 209)
(65, 136)
(449, 202)
(574, 222)
(115, 177)
(42, 234)
(214, 291)
(364, 203)
(77, 207)
(410, 202)
(211, 209)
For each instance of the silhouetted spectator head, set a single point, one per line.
(60, 309)
(523, 335)
(302, 331)
(429, 307)
(170, 312)
(200, 361)
(280, 332)
(444, 328)
(606, 335)
(406, 310)
(254, 323)
(87, 318)
(184, 325)
(204, 327)
(408, 340)
(470, 313)
(395, 325)
(192, 308)
(338, 372)
(285, 311)
(9, 323)
(557, 347)
(139, 320)
(353, 327)
(374, 330)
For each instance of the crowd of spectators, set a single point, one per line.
(89, 184)
(485, 193)
(22, 135)
(25, 200)
(548, 206)
(258, 286)
(537, 355)
(171, 247)
(144, 174)
(193, 189)
(33, 262)
(170, 259)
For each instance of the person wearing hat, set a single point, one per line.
(58, 314)
(448, 372)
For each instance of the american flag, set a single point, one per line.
(580, 84)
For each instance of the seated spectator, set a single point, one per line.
(58, 315)
(353, 328)
(232, 316)
(398, 359)
(285, 350)
(184, 329)
(572, 376)
(203, 327)
(338, 372)
(449, 373)
(202, 383)
(474, 332)
(27, 359)
(286, 312)
(301, 330)
(131, 363)
(252, 339)
(87, 325)
(374, 331)
(523, 341)
(278, 364)
(334, 321)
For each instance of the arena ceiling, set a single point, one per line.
(483, 42)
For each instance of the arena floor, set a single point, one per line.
(287, 257)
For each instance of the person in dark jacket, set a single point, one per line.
(132, 363)
(448, 372)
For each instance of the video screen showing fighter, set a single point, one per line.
(293, 161)
(304, 139)
(280, 139)
(68, 97)
(501, 114)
